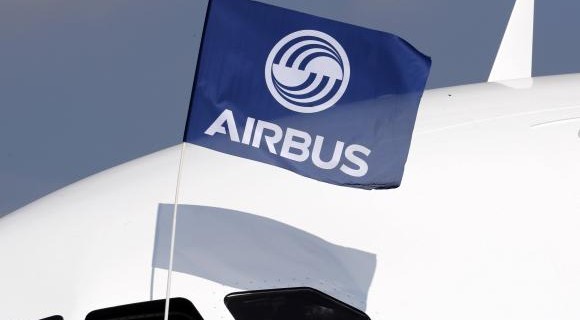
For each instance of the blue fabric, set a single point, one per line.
(376, 112)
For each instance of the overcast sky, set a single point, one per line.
(88, 85)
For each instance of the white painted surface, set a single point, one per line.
(86, 245)
(514, 57)
(484, 226)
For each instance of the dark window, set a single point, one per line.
(290, 304)
(179, 309)
(53, 318)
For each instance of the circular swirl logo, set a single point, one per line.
(307, 71)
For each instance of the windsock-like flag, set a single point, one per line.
(324, 99)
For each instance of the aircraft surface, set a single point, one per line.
(484, 226)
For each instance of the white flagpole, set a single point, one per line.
(173, 227)
(175, 204)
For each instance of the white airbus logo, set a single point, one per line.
(307, 71)
(293, 144)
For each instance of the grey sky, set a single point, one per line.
(87, 85)
(556, 40)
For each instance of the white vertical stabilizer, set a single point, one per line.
(514, 57)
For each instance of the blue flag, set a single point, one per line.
(324, 99)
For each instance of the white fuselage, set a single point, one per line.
(484, 226)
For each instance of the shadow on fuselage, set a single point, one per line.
(251, 252)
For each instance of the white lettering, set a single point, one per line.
(248, 131)
(217, 126)
(270, 140)
(290, 143)
(296, 145)
(327, 165)
(350, 155)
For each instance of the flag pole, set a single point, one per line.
(176, 202)
(173, 227)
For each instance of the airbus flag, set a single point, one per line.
(325, 99)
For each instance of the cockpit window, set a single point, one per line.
(179, 309)
(290, 304)
(53, 318)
